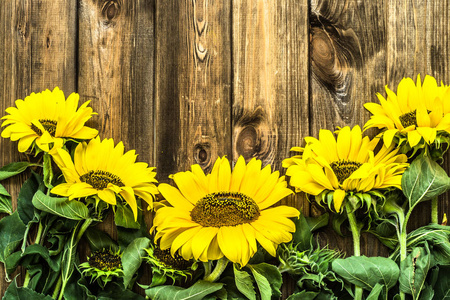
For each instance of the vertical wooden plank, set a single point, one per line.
(270, 84)
(437, 65)
(406, 57)
(15, 67)
(116, 51)
(193, 80)
(348, 66)
(53, 45)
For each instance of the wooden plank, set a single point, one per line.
(406, 57)
(270, 85)
(193, 81)
(348, 66)
(116, 50)
(437, 65)
(15, 67)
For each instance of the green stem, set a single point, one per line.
(207, 267)
(57, 288)
(354, 228)
(218, 270)
(434, 210)
(36, 241)
(403, 249)
(80, 233)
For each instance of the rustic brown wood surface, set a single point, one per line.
(186, 81)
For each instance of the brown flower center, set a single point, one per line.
(344, 168)
(177, 262)
(105, 261)
(408, 119)
(100, 179)
(225, 209)
(49, 125)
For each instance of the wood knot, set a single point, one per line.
(335, 51)
(111, 9)
(202, 155)
(254, 137)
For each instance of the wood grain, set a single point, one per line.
(348, 66)
(193, 84)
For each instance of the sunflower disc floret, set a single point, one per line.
(102, 266)
(224, 213)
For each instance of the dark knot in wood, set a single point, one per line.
(335, 51)
(202, 155)
(254, 136)
(111, 9)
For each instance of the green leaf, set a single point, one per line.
(263, 284)
(244, 283)
(269, 273)
(124, 217)
(423, 180)
(113, 291)
(303, 295)
(367, 272)
(63, 207)
(14, 168)
(68, 257)
(22, 293)
(442, 286)
(43, 253)
(414, 270)
(304, 228)
(132, 258)
(196, 292)
(376, 292)
(99, 239)
(12, 231)
(5, 201)
(25, 205)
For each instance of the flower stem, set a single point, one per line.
(434, 210)
(57, 288)
(26, 281)
(207, 267)
(218, 270)
(354, 228)
(403, 249)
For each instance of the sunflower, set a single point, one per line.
(47, 118)
(332, 169)
(224, 213)
(417, 114)
(103, 170)
(102, 266)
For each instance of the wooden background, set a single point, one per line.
(184, 81)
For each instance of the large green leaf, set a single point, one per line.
(414, 270)
(423, 180)
(198, 291)
(12, 231)
(132, 258)
(376, 292)
(367, 272)
(124, 217)
(14, 168)
(267, 274)
(304, 228)
(244, 283)
(303, 295)
(63, 207)
(22, 293)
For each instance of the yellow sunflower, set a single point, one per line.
(418, 111)
(347, 165)
(224, 213)
(101, 169)
(47, 118)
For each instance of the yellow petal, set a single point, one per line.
(338, 198)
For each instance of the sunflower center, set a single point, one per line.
(49, 125)
(408, 119)
(344, 168)
(105, 261)
(100, 179)
(225, 209)
(177, 262)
